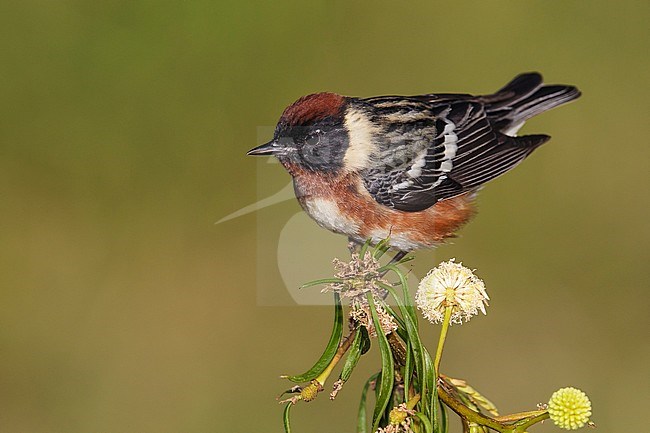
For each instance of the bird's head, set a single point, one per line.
(312, 133)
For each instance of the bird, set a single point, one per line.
(406, 169)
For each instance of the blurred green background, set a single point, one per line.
(124, 308)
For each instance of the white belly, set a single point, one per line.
(328, 215)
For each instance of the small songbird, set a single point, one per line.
(405, 168)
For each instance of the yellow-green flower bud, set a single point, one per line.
(310, 392)
(569, 408)
(397, 415)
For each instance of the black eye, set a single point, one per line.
(314, 138)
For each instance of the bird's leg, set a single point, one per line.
(353, 246)
(397, 257)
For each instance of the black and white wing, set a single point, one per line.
(438, 146)
(435, 149)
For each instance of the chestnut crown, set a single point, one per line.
(311, 134)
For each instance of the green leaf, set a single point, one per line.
(392, 312)
(405, 292)
(288, 391)
(364, 248)
(408, 370)
(321, 281)
(287, 410)
(377, 388)
(408, 319)
(424, 421)
(361, 417)
(431, 405)
(401, 261)
(422, 368)
(354, 353)
(423, 363)
(330, 350)
(387, 367)
(381, 248)
(444, 425)
(365, 340)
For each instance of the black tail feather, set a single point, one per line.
(524, 97)
(518, 88)
(531, 141)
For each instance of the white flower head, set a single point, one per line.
(451, 284)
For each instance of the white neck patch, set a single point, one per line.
(361, 134)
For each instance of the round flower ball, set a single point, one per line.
(569, 408)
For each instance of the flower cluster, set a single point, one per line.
(569, 408)
(357, 278)
(399, 420)
(360, 312)
(452, 285)
(449, 294)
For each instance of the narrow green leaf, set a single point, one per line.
(354, 353)
(292, 390)
(377, 388)
(330, 350)
(387, 367)
(381, 248)
(365, 340)
(404, 259)
(401, 261)
(424, 421)
(405, 292)
(287, 410)
(364, 248)
(431, 405)
(408, 370)
(442, 416)
(361, 417)
(423, 363)
(414, 338)
(321, 281)
(392, 312)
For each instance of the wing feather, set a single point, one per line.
(434, 158)
(437, 146)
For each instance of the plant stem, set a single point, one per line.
(345, 345)
(443, 337)
(500, 424)
(470, 414)
(523, 426)
(519, 416)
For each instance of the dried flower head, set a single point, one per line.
(450, 284)
(358, 278)
(360, 312)
(569, 408)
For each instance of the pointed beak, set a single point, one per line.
(269, 148)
